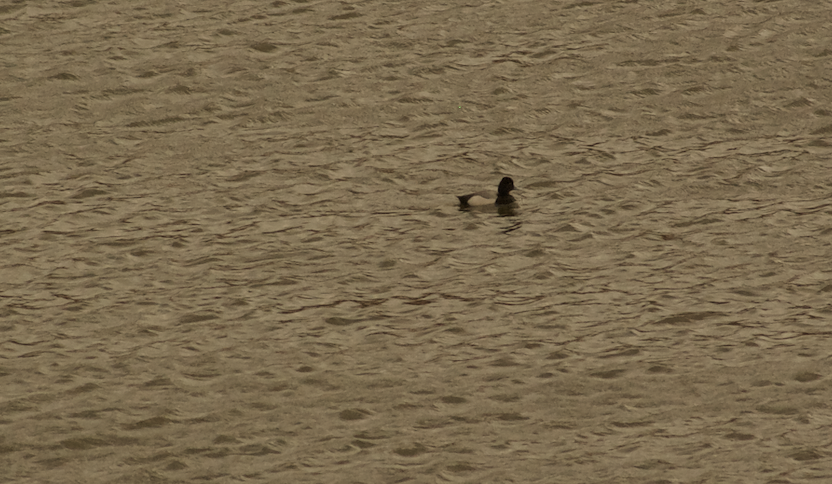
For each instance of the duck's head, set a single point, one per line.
(506, 185)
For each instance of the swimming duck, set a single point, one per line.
(487, 198)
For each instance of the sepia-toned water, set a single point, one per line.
(231, 249)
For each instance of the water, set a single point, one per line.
(232, 251)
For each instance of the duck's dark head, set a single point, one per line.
(506, 185)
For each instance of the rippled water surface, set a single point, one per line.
(231, 250)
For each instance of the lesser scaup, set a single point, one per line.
(487, 198)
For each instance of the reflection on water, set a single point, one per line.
(507, 210)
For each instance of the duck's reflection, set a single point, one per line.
(507, 210)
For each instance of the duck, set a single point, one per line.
(487, 198)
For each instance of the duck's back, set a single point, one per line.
(478, 199)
